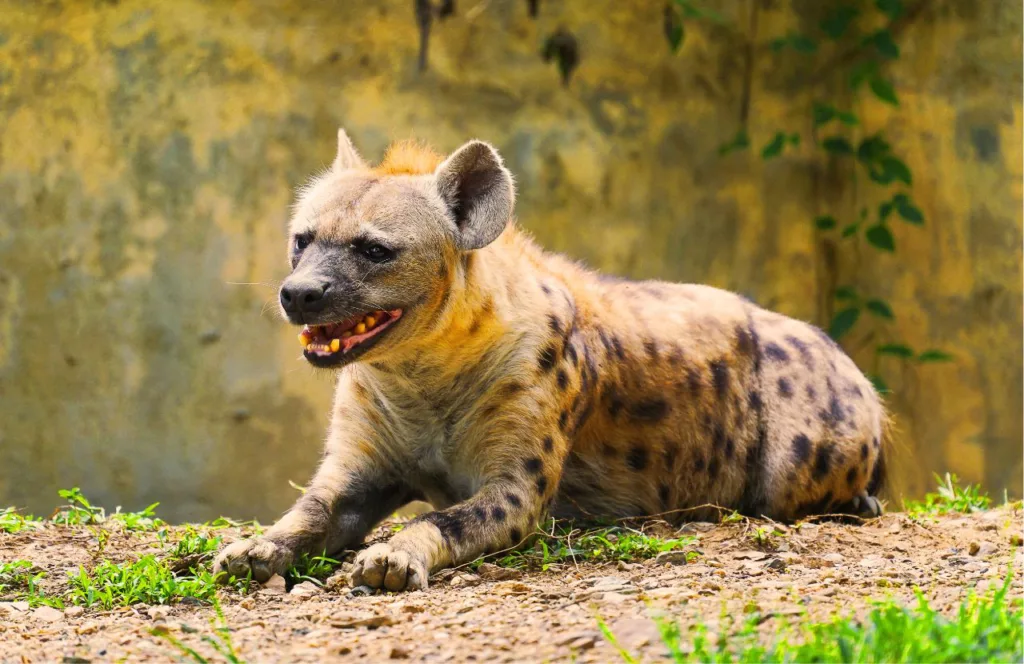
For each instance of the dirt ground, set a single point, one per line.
(508, 616)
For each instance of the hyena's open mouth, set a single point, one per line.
(334, 343)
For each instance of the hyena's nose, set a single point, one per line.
(303, 297)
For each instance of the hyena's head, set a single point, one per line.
(372, 249)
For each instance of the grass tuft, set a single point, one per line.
(562, 543)
(989, 628)
(315, 569)
(13, 522)
(949, 497)
(146, 580)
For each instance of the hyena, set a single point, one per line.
(502, 384)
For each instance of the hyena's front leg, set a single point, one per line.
(347, 497)
(499, 516)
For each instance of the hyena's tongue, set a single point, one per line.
(328, 339)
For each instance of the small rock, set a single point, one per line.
(360, 591)
(20, 606)
(88, 628)
(249, 603)
(609, 583)
(398, 652)
(493, 572)
(833, 558)
(983, 549)
(372, 622)
(464, 579)
(74, 611)
(671, 558)
(275, 585)
(338, 581)
(750, 555)
(568, 639)
(623, 566)
(614, 598)
(159, 613)
(777, 564)
(47, 614)
(305, 589)
(583, 643)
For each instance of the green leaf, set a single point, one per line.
(934, 355)
(891, 8)
(774, 147)
(835, 24)
(906, 209)
(793, 139)
(863, 72)
(884, 210)
(675, 34)
(880, 308)
(851, 229)
(881, 237)
(739, 142)
(883, 90)
(872, 149)
(846, 293)
(837, 145)
(884, 44)
(847, 118)
(797, 42)
(822, 114)
(879, 384)
(896, 169)
(898, 350)
(825, 223)
(843, 321)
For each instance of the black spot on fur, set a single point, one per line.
(834, 414)
(512, 388)
(718, 436)
(651, 347)
(614, 402)
(480, 513)
(670, 453)
(555, 324)
(851, 476)
(744, 340)
(693, 381)
(516, 536)
(863, 451)
(607, 450)
(698, 461)
(801, 448)
(785, 389)
(854, 390)
(563, 419)
(811, 394)
(720, 376)
(874, 442)
(563, 379)
(730, 448)
(713, 469)
(549, 443)
(617, 345)
(544, 287)
(805, 352)
(542, 485)
(649, 410)
(498, 513)
(822, 460)
(449, 522)
(442, 271)
(754, 400)
(637, 458)
(604, 340)
(584, 414)
(570, 352)
(663, 494)
(776, 352)
(533, 464)
(548, 357)
(513, 500)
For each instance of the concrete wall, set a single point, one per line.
(148, 151)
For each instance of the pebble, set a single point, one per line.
(492, 572)
(159, 613)
(983, 549)
(74, 611)
(275, 585)
(305, 589)
(360, 591)
(464, 580)
(47, 614)
(671, 558)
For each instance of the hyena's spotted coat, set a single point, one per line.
(501, 383)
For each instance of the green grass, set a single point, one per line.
(148, 580)
(949, 497)
(19, 581)
(562, 543)
(13, 522)
(989, 628)
(80, 512)
(311, 568)
(220, 640)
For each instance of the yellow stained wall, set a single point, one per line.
(148, 151)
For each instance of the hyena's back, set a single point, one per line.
(701, 397)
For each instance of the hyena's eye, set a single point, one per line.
(302, 241)
(377, 253)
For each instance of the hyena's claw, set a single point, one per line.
(382, 566)
(261, 556)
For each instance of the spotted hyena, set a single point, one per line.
(501, 383)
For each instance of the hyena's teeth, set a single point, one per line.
(346, 334)
(370, 322)
(304, 338)
(360, 329)
(335, 345)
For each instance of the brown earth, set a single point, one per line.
(817, 569)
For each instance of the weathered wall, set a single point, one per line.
(148, 151)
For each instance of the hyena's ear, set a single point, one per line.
(348, 158)
(479, 192)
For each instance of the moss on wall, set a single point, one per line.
(148, 151)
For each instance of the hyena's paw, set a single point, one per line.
(263, 557)
(383, 566)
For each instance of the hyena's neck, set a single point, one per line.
(504, 300)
